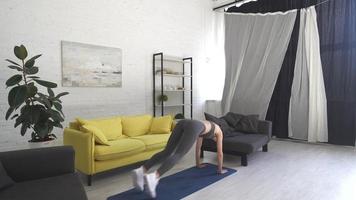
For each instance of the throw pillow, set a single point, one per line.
(111, 127)
(136, 125)
(98, 134)
(248, 124)
(161, 125)
(225, 128)
(243, 123)
(5, 180)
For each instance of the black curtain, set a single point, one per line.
(337, 29)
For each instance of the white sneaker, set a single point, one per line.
(137, 176)
(152, 182)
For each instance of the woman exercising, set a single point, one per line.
(184, 135)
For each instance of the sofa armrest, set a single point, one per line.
(265, 127)
(31, 164)
(83, 144)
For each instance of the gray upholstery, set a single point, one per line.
(242, 143)
(64, 187)
(45, 173)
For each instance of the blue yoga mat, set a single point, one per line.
(179, 185)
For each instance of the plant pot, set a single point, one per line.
(35, 145)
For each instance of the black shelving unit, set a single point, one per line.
(186, 75)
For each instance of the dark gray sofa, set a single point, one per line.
(240, 143)
(42, 174)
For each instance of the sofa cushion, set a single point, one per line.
(154, 141)
(136, 125)
(244, 123)
(161, 125)
(246, 143)
(99, 136)
(111, 127)
(118, 148)
(242, 143)
(66, 187)
(5, 180)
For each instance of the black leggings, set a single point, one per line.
(179, 143)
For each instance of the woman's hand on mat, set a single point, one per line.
(223, 171)
(201, 165)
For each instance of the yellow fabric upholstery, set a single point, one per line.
(136, 125)
(74, 125)
(136, 146)
(118, 148)
(101, 166)
(154, 141)
(161, 125)
(83, 144)
(111, 127)
(98, 134)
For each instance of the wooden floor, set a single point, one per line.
(289, 171)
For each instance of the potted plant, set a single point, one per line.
(163, 98)
(30, 108)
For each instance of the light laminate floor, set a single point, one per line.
(289, 171)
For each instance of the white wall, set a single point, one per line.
(139, 27)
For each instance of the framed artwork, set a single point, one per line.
(86, 65)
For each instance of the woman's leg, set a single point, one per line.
(191, 131)
(170, 147)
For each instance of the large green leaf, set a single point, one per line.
(61, 94)
(9, 112)
(33, 77)
(17, 95)
(15, 67)
(58, 106)
(32, 70)
(41, 129)
(20, 52)
(24, 128)
(46, 83)
(31, 62)
(15, 79)
(13, 62)
(43, 101)
(56, 116)
(14, 116)
(31, 90)
(50, 92)
(55, 124)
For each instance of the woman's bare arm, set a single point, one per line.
(219, 147)
(197, 151)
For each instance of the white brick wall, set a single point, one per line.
(139, 27)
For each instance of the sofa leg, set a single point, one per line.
(265, 148)
(244, 160)
(89, 179)
(201, 153)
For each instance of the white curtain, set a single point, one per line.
(255, 46)
(308, 111)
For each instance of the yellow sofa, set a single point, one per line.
(104, 144)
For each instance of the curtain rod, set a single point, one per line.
(228, 4)
(237, 1)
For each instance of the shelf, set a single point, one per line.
(175, 75)
(174, 90)
(174, 60)
(174, 105)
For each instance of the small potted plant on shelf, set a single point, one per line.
(163, 98)
(30, 108)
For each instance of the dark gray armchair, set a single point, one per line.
(238, 142)
(45, 173)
